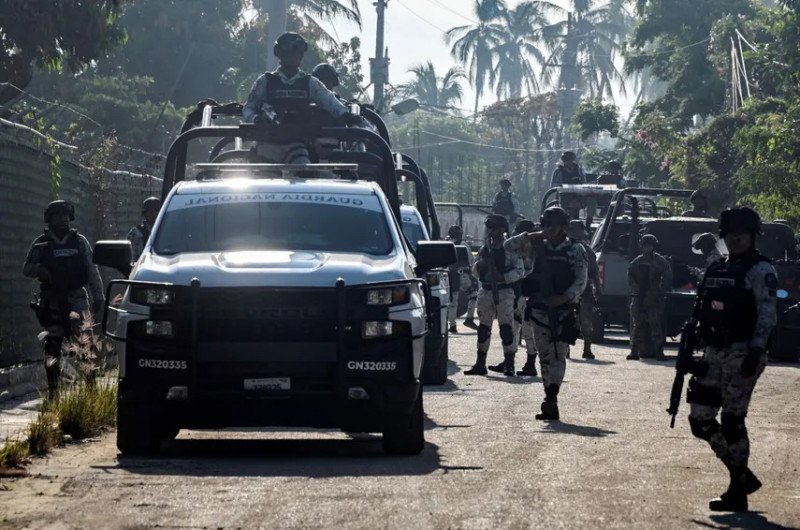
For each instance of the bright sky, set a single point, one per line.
(414, 34)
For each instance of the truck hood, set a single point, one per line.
(271, 269)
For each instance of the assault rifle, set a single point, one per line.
(546, 286)
(686, 363)
(493, 272)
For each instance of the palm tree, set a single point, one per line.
(521, 34)
(432, 90)
(474, 44)
(585, 44)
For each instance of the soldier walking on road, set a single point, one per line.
(560, 267)
(139, 234)
(498, 272)
(649, 279)
(738, 314)
(61, 259)
(577, 231)
(460, 278)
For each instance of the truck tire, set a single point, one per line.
(404, 434)
(436, 373)
(139, 434)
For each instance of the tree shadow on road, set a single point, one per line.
(578, 430)
(741, 520)
(361, 455)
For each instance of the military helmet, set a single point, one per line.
(556, 215)
(648, 239)
(575, 225)
(742, 218)
(59, 207)
(614, 166)
(325, 71)
(455, 232)
(494, 221)
(568, 155)
(151, 203)
(288, 43)
(505, 181)
(526, 225)
(706, 240)
(698, 196)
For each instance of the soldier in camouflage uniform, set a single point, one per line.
(560, 268)
(737, 316)
(707, 244)
(577, 231)
(139, 234)
(460, 279)
(498, 269)
(649, 278)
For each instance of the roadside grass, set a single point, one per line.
(85, 410)
(13, 457)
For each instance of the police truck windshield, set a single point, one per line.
(274, 221)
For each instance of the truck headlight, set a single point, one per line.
(389, 296)
(152, 296)
(158, 328)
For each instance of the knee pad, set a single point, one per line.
(506, 334)
(733, 428)
(484, 332)
(703, 429)
(703, 395)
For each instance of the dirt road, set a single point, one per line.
(612, 462)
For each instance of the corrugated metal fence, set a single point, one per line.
(107, 204)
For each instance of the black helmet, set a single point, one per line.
(151, 203)
(494, 221)
(324, 71)
(59, 207)
(577, 224)
(555, 214)
(288, 43)
(738, 219)
(568, 155)
(707, 240)
(614, 166)
(696, 196)
(526, 225)
(455, 232)
(648, 239)
(505, 181)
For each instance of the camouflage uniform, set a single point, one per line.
(569, 255)
(741, 292)
(649, 278)
(465, 285)
(588, 301)
(510, 272)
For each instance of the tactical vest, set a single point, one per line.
(728, 308)
(64, 261)
(288, 98)
(561, 271)
(503, 204)
(570, 177)
(499, 265)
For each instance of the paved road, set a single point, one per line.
(612, 462)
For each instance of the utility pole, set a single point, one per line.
(379, 65)
(569, 93)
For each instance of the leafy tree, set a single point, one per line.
(519, 43)
(473, 46)
(345, 57)
(433, 90)
(49, 34)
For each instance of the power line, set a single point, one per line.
(500, 147)
(425, 20)
(443, 6)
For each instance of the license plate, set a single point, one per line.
(268, 383)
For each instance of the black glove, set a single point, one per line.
(751, 362)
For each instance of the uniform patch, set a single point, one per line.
(771, 281)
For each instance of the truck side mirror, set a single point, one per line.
(434, 254)
(114, 254)
(462, 256)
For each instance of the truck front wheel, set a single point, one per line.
(137, 432)
(404, 434)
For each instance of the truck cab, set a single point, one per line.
(273, 295)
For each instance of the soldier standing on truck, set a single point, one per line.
(506, 203)
(139, 234)
(61, 259)
(498, 272)
(284, 96)
(699, 206)
(577, 231)
(560, 267)
(737, 317)
(649, 279)
(568, 172)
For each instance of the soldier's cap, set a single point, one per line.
(739, 219)
(705, 240)
(648, 239)
(526, 225)
(151, 203)
(59, 206)
(556, 215)
(495, 221)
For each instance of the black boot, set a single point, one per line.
(744, 479)
(659, 350)
(634, 354)
(470, 323)
(508, 365)
(587, 349)
(453, 329)
(479, 368)
(550, 404)
(529, 369)
(498, 368)
(743, 482)
(729, 502)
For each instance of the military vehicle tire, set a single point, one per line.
(405, 433)
(436, 374)
(138, 434)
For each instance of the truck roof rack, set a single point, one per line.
(224, 170)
